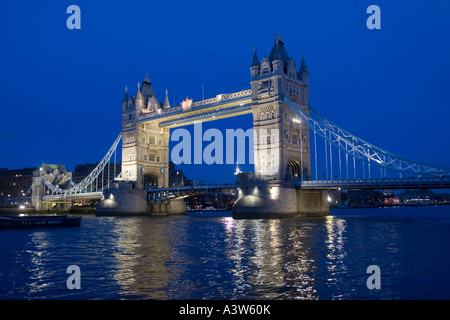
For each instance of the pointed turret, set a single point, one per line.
(125, 100)
(138, 101)
(255, 67)
(166, 101)
(255, 62)
(138, 92)
(303, 67)
(146, 89)
(146, 79)
(278, 51)
(125, 96)
(303, 74)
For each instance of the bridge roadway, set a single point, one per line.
(387, 183)
(400, 183)
(74, 196)
(164, 193)
(230, 189)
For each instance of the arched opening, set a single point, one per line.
(150, 181)
(294, 171)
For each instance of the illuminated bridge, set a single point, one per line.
(299, 154)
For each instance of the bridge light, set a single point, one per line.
(274, 193)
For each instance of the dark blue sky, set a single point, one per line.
(61, 89)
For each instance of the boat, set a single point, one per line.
(31, 221)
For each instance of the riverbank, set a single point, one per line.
(91, 210)
(74, 210)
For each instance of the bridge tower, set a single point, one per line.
(281, 142)
(145, 147)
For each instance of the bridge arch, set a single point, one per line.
(150, 180)
(293, 169)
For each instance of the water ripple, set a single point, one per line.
(223, 258)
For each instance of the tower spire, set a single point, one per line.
(255, 62)
(138, 93)
(125, 96)
(139, 103)
(303, 67)
(166, 101)
(278, 38)
(146, 79)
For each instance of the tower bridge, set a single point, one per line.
(287, 136)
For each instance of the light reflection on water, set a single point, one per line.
(221, 258)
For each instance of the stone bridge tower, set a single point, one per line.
(145, 147)
(281, 142)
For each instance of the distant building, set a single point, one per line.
(364, 197)
(177, 178)
(209, 200)
(15, 183)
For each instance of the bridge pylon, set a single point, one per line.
(145, 146)
(281, 142)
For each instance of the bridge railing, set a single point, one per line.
(198, 105)
(184, 188)
(171, 192)
(356, 148)
(86, 187)
(437, 182)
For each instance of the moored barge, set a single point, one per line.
(31, 221)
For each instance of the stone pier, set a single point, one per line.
(278, 199)
(134, 202)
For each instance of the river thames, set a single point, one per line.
(217, 257)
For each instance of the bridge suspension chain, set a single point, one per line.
(89, 179)
(359, 148)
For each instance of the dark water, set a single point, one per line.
(221, 258)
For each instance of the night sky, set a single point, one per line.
(61, 89)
